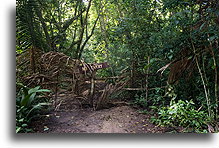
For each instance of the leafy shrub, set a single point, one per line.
(181, 113)
(157, 97)
(140, 100)
(27, 105)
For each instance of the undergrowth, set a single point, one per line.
(28, 105)
(182, 113)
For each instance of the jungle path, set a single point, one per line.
(119, 119)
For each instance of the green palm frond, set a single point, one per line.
(28, 28)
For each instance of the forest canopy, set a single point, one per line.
(167, 49)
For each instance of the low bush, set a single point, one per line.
(182, 113)
(140, 101)
(28, 104)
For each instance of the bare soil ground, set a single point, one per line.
(120, 119)
(73, 117)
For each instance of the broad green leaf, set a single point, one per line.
(33, 90)
(43, 90)
(25, 99)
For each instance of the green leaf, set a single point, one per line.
(202, 26)
(43, 90)
(30, 95)
(213, 66)
(32, 98)
(18, 129)
(21, 120)
(38, 106)
(24, 125)
(20, 109)
(212, 38)
(25, 99)
(153, 107)
(34, 90)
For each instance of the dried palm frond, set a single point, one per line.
(179, 68)
(59, 72)
(162, 69)
(109, 89)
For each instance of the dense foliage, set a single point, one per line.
(182, 113)
(28, 104)
(169, 48)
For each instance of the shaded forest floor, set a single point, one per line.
(121, 119)
(73, 118)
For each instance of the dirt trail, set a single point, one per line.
(122, 119)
